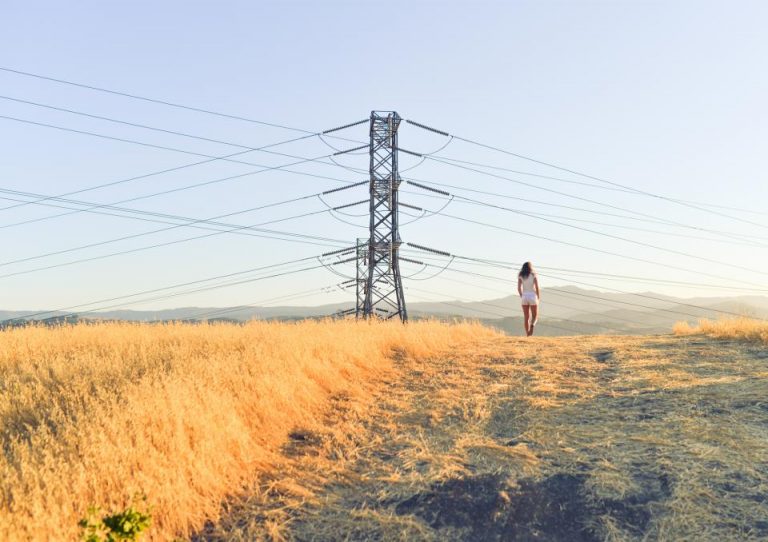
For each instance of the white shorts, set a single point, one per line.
(529, 298)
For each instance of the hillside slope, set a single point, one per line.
(600, 438)
(565, 310)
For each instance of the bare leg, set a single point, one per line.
(534, 317)
(526, 318)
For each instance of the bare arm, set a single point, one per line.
(536, 287)
(520, 286)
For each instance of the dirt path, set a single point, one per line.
(577, 439)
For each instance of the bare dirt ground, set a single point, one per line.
(556, 439)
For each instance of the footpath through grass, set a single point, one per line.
(571, 439)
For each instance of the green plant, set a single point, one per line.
(120, 527)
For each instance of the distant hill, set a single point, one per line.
(564, 310)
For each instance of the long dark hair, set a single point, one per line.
(526, 270)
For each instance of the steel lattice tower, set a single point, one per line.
(383, 292)
(361, 277)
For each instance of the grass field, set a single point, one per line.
(735, 328)
(345, 431)
(92, 414)
(564, 439)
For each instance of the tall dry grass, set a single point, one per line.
(186, 414)
(732, 328)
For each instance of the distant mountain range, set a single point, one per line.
(564, 311)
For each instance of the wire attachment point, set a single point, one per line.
(345, 187)
(401, 204)
(344, 127)
(331, 253)
(349, 205)
(429, 129)
(410, 152)
(425, 187)
(361, 147)
(427, 249)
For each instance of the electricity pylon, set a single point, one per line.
(361, 275)
(383, 291)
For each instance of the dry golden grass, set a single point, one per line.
(187, 414)
(589, 438)
(734, 328)
(340, 431)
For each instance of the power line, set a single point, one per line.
(164, 288)
(189, 220)
(629, 188)
(466, 199)
(134, 124)
(549, 302)
(439, 272)
(157, 245)
(176, 226)
(179, 189)
(481, 203)
(601, 180)
(643, 217)
(580, 198)
(647, 280)
(593, 249)
(162, 147)
(338, 241)
(611, 304)
(676, 283)
(140, 143)
(573, 219)
(610, 236)
(283, 167)
(417, 182)
(594, 185)
(135, 178)
(731, 242)
(158, 101)
(507, 265)
(590, 296)
(645, 296)
(548, 324)
(610, 276)
(551, 293)
(462, 198)
(156, 129)
(260, 303)
(163, 102)
(170, 296)
(505, 308)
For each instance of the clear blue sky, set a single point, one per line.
(667, 97)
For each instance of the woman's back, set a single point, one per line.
(528, 283)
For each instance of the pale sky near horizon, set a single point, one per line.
(667, 97)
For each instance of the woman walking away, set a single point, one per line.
(528, 288)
